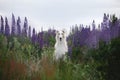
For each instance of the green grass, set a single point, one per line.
(22, 67)
(21, 60)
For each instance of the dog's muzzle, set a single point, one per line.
(60, 39)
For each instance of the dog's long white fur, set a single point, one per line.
(60, 47)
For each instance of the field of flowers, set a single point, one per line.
(94, 54)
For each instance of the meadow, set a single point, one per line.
(28, 55)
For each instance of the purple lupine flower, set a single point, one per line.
(99, 27)
(84, 34)
(29, 32)
(69, 52)
(18, 26)
(33, 36)
(69, 40)
(105, 17)
(40, 40)
(105, 23)
(108, 30)
(49, 35)
(115, 27)
(13, 30)
(93, 39)
(2, 25)
(53, 33)
(7, 29)
(93, 25)
(25, 27)
(106, 35)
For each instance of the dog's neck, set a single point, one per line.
(61, 42)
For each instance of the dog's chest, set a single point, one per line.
(60, 47)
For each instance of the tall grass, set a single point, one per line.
(21, 62)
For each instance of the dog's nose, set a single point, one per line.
(60, 39)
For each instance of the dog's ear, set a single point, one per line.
(64, 31)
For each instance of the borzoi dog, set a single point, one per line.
(61, 45)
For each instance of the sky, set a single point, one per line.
(59, 13)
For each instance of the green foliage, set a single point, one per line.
(113, 70)
(3, 45)
(77, 54)
(14, 54)
(106, 59)
(21, 60)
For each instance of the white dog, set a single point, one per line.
(61, 45)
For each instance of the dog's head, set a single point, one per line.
(60, 35)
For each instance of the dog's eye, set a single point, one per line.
(58, 33)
